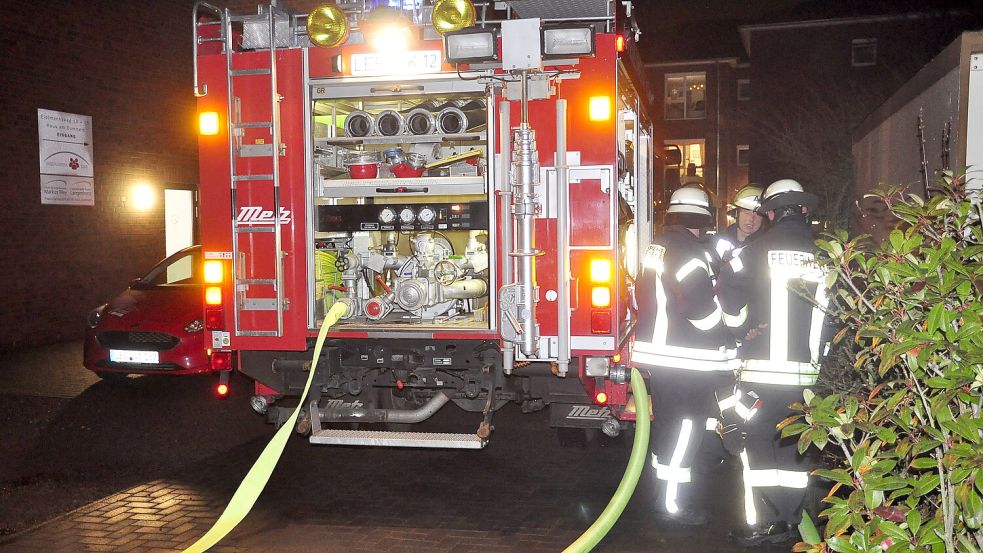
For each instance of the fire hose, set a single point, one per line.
(256, 479)
(639, 451)
(259, 475)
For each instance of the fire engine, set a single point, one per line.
(472, 180)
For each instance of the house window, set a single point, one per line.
(690, 171)
(863, 52)
(742, 154)
(743, 89)
(686, 96)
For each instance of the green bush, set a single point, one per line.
(906, 430)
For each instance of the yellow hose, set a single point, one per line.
(636, 462)
(258, 476)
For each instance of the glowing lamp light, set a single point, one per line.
(143, 196)
(390, 37)
(616, 358)
(213, 271)
(600, 296)
(208, 123)
(213, 295)
(600, 270)
(600, 108)
(600, 398)
(619, 44)
(222, 390)
(327, 26)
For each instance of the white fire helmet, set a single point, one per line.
(786, 192)
(690, 200)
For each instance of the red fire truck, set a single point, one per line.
(473, 182)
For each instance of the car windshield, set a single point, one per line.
(183, 267)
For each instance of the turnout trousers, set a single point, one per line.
(775, 476)
(682, 402)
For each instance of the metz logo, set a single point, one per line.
(339, 404)
(253, 215)
(588, 412)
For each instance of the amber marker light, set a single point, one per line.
(213, 271)
(600, 270)
(600, 398)
(208, 123)
(600, 108)
(600, 296)
(213, 295)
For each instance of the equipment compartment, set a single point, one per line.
(401, 215)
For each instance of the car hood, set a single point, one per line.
(175, 305)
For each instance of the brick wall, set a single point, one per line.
(128, 66)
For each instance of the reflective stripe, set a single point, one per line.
(712, 424)
(786, 373)
(689, 267)
(711, 320)
(750, 515)
(723, 246)
(763, 478)
(672, 483)
(720, 354)
(681, 363)
(816, 328)
(742, 410)
(664, 472)
(734, 321)
(736, 264)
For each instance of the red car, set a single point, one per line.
(155, 326)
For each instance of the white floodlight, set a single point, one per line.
(470, 45)
(568, 40)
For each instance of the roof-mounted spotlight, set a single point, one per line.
(327, 26)
(452, 15)
(564, 41)
(471, 45)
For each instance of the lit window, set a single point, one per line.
(743, 89)
(686, 96)
(690, 170)
(743, 152)
(863, 52)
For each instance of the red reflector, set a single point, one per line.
(222, 389)
(221, 360)
(600, 321)
(600, 398)
(214, 318)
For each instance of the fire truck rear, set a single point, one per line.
(473, 184)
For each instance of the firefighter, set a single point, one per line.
(748, 222)
(776, 288)
(682, 341)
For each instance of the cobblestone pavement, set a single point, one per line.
(524, 492)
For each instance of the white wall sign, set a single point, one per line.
(65, 153)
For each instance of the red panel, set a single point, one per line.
(216, 219)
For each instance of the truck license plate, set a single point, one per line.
(397, 63)
(131, 356)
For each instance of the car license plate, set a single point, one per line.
(132, 356)
(397, 63)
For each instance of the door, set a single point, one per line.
(179, 219)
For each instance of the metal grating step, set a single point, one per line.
(375, 438)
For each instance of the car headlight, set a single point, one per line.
(94, 316)
(194, 326)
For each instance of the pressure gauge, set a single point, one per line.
(406, 216)
(426, 215)
(387, 216)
